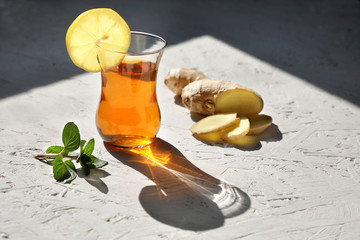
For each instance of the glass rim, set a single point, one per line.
(141, 53)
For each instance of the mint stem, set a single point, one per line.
(42, 156)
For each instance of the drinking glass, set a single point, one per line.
(128, 114)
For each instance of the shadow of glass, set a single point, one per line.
(184, 196)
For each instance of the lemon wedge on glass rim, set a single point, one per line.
(96, 39)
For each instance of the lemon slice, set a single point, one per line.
(96, 39)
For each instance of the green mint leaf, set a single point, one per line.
(89, 148)
(60, 170)
(72, 170)
(97, 163)
(73, 175)
(54, 149)
(85, 158)
(61, 157)
(85, 167)
(71, 137)
(50, 162)
(63, 171)
(82, 143)
(70, 165)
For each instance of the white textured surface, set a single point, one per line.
(303, 183)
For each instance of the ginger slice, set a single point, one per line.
(216, 136)
(215, 123)
(239, 131)
(242, 101)
(213, 137)
(259, 123)
(231, 133)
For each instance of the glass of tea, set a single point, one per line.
(128, 114)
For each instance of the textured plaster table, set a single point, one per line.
(301, 180)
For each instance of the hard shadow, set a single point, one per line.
(253, 142)
(183, 196)
(314, 40)
(95, 179)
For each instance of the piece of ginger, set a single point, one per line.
(178, 78)
(259, 123)
(223, 101)
(207, 96)
(215, 123)
(233, 131)
(242, 101)
(241, 133)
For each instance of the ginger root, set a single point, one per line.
(178, 78)
(206, 96)
(233, 109)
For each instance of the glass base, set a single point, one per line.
(122, 141)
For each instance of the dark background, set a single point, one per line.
(317, 41)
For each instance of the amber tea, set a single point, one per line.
(128, 114)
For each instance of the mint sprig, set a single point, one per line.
(61, 157)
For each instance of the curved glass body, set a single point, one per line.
(128, 114)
